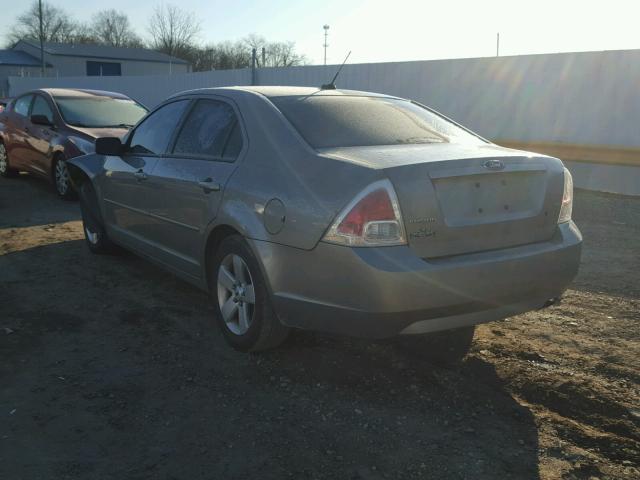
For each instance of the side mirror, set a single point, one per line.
(41, 120)
(109, 146)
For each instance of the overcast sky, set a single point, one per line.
(379, 31)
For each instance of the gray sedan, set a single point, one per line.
(332, 210)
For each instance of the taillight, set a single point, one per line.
(371, 219)
(567, 198)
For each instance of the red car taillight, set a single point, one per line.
(371, 219)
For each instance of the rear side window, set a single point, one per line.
(234, 144)
(22, 105)
(154, 132)
(207, 131)
(326, 121)
(41, 107)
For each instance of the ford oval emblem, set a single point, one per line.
(494, 164)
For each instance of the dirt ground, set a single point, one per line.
(111, 368)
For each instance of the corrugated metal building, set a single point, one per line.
(73, 60)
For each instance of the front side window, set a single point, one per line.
(99, 111)
(22, 105)
(207, 132)
(327, 121)
(154, 132)
(41, 107)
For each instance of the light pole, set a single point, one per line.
(326, 34)
(41, 34)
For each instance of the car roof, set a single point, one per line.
(79, 92)
(281, 91)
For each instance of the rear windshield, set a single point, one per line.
(95, 112)
(350, 121)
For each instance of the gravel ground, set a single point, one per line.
(111, 368)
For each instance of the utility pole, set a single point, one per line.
(253, 66)
(498, 45)
(210, 52)
(41, 38)
(326, 34)
(264, 57)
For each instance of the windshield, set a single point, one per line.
(349, 121)
(96, 112)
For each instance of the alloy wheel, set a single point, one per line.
(62, 177)
(3, 159)
(236, 294)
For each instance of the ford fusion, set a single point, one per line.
(336, 211)
(40, 130)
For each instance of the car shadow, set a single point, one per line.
(115, 368)
(460, 417)
(38, 205)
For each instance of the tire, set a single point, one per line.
(62, 181)
(5, 169)
(95, 235)
(446, 347)
(236, 281)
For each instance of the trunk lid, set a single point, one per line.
(463, 199)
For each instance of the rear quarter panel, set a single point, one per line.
(279, 166)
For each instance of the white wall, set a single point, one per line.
(148, 89)
(7, 71)
(623, 179)
(587, 98)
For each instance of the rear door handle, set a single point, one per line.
(208, 185)
(140, 175)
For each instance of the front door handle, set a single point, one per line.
(208, 185)
(140, 175)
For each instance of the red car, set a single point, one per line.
(41, 129)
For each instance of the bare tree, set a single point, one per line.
(57, 26)
(227, 55)
(83, 33)
(219, 56)
(173, 31)
(111, 27)
(283, 54)
(276, 54)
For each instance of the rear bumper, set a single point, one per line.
(381, 292)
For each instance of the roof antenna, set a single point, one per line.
(332, 84)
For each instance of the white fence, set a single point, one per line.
(148, 89)
(578, 99)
